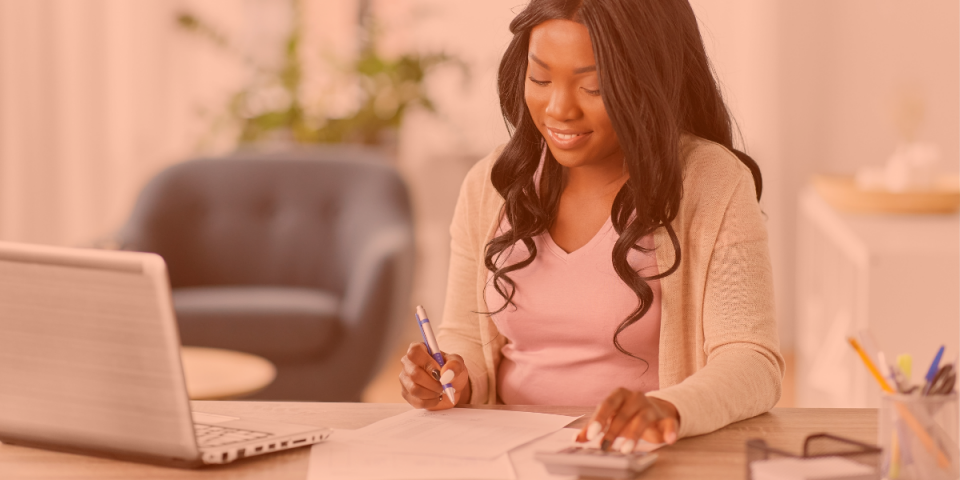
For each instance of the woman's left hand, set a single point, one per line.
(630, 416)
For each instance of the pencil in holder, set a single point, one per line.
(919, 437)
(817, 446)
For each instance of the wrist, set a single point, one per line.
(667, 408)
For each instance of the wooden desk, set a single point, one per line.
(719, 455)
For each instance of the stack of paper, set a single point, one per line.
(346, 456)
(449, 444)
(460, 432)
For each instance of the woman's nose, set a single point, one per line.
(563, 105)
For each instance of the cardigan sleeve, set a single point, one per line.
(743, 371)
(459, 330)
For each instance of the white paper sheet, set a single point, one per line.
(345, 456)
(460, 432)
(528, 468)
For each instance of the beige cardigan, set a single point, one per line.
(719, 357)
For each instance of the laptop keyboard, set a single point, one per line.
(213, 436)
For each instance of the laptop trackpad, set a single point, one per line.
(210, 418)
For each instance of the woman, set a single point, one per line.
(613, 252)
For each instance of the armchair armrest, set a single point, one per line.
(378, 285)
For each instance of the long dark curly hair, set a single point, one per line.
(655, 82)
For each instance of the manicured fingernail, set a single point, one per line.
(593, 430)
(617, 443)
(627, 446)
(435, 374)
(447, 377)
(605, 444)
(671, 437)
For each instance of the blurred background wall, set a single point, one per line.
(97, 96)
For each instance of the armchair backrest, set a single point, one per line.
(292, 219)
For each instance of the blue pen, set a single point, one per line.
(932, 372)
(432, 347)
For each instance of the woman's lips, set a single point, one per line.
(567, 139)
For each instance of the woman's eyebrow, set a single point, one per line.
(576, 71)
(539, 62)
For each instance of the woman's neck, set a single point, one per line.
(594, 181)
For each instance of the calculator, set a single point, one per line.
(593, 462)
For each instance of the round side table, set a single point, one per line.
(218, 374)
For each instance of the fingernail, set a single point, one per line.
(447, 377)
(593, 430)
(671, 437)
(605, 444)
(617, 443)
(435, 374)
(627, 446)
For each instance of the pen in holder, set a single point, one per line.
(816, 446)
(919, 437)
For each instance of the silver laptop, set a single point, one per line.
(90, 363)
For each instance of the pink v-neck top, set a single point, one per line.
(559, 348)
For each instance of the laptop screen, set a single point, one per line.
(89, 352)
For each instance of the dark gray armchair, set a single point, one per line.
(303, 258)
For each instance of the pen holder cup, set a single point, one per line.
(918, 435)
(818, 445)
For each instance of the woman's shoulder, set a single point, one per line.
(477, 185)
(478, 177)
(710, 168)
(700, 156)
(479, 202)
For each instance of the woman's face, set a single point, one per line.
(563, 96)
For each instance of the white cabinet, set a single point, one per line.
(896, 275)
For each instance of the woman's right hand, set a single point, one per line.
(420, 379)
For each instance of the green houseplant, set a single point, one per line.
(388, 86)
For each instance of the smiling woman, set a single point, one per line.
(613, 252)
(565, 104)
